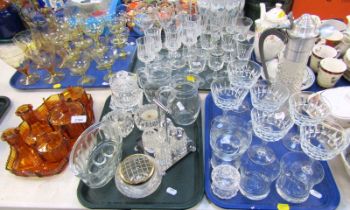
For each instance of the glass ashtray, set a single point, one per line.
(138, 176)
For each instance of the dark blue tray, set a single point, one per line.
(120, 64)
(328, 188)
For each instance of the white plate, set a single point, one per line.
(339, 25)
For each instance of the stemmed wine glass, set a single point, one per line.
(165, 14)
(306, 109)
(145, 52)
(94, 27)
(155, 33)
(215, 63)
(119, 39)
(80, 67)
(145, 18)
(229, 47)
(173, 43)
(189, 36)
(106, 61)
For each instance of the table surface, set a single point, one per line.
(59, 191)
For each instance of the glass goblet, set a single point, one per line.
(215, 63)
(306, 109)
(80, 66)
(106, 61)
(228, 44)
(197, 63)
(46, 59)
(18, 61)
(119, 40)
(244, 47)
(94, 27)
(243, 73)
(155, 33)
(173, 40)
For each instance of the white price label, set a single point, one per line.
(171, 191)
(316, 194)
(180, 106)
(78, 119)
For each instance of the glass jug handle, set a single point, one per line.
(272, 31)
(164, 95)
(141, 78)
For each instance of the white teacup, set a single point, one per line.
(330, 71)
(320, 52)
(346, 59)
(335, 38)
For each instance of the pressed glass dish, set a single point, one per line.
(121, 120)
(225, 181)
(96, 154)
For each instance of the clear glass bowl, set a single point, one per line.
(137, 170)
(225, 181)
(268, 97)
(323, 141)
(271, 126)
(227, 96)
(147, 117)
(308, 108)
(243, 73)
(299, 174)
(229, 139)
(122, 120)
(96, 154)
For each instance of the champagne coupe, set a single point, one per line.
(80, 67)
(94, 27)
(119, 39)
(106, 61)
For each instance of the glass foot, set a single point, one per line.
(30, 79)
(86, 80)
(54, 78)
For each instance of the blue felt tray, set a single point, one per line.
(120, 64)
(328, 188)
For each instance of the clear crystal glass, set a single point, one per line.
(308, 108)
(96, 154)
(229, 139)
(299, 174)
(268, 97)
(225, 181)
(243, 73)
(271, 126)
(323, 141)
(244, 48)
(121, 120)
(147, 116)
(259, 168)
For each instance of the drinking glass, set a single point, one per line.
(165, 14)
(306, 109)
(225, 181)
(229, 139)
(96, 154)
(121, 120)
(116, 22)
(215, 62)
(18, 61)
(80, 66)
(189, 36)
(228, 44)
(233, 9)
(145, 18)
(243, 73)
(271, 126)
(120, 39)
(144, 49)
(243, 25)
(155, 33)
(197, 63)
(323, 141)
(268, 97)
(299, 174)
(173, 43)
(227, 96)
(259, 168)
(209, 36)
(46, 58)
(94, 27)
(106, 61)
(244, 48)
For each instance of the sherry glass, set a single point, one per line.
(156, 34)
(197, 63)
(189, 36)
(144, 49)
(173, 43)
(244, 47)
(46, 59)
(209, 37)
(215, 63)
(19, 61)
(228, 44)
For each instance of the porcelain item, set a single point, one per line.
(320, 52)
(330, 71)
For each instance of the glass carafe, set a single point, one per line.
(182, 100)
(299, 39)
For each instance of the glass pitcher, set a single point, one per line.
(152, 78)
(182, 99)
